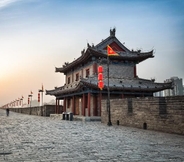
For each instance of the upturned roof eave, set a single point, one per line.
(92, 52)
(138, 57)
(111, 88)
(136, 89)
(50, 92)
(53, 90)
(81, 59)
(57, 92)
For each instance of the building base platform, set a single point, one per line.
(87, 118)
(77, 117)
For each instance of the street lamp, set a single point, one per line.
(41, 90)
(22, 101)
(109, 123)
(31, 98)
(110, 52)
(108, 97)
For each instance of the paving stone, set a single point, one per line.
(25, 138)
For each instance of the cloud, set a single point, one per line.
(5, 3)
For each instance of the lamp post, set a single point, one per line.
(22, 101)
(110, 52)
(108, 97)
(31, 98)
(104, 60)
(17, 102)
(41, 90)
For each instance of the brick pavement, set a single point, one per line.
(25, 138)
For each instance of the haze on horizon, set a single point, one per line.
(38, 35)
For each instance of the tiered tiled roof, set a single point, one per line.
(120, 84)
(72, 87)
(100, 51)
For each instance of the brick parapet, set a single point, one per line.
(162, 114)
(45, 110)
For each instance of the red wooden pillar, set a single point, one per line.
(56, 107)
(89, 108)
(73, 105)
(64, 106)
(95, 112)
(100, 102)
(83, 105)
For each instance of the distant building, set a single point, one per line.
(177, 87)
(158, 94)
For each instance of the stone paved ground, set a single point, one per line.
(40, 139)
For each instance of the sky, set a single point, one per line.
(38, 35)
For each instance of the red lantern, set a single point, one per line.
(101, 85)
(100, 77)
(100, 69)
(38, 97)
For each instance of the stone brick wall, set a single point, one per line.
(45, 110)
(160, 113)
(114, 72)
